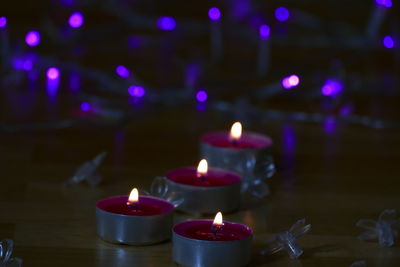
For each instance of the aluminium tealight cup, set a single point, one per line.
(134, 230)
(194, 253)
(252, 164)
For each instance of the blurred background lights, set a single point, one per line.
(27, 65)
(75, 20)
(122, 71)
(385, 3)
(388, 42)
(201, 96)
(85, 106)
(3, 21)
(22, 64)
(136, 91)
(166, 23)
(53, 73)
(290, 81)
(331, 87)
(282, 14)
(214, 13)
(264, 32)
(32, 38)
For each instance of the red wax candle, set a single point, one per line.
(213, 177)
(195, 244)
(248, 154)
(247, 140)
(207, 191)
(147, 206)
(201, 230)
(146, 222)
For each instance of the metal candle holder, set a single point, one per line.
(252, 164)
(207, 199)
(193, 252)
(134, 230)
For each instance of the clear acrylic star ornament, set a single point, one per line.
(159, 188)
(384, 229)
(288, 240)
(6, 249)
(88, 172)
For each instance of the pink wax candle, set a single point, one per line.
(248, 154)
(205, 190)
(149, 206)
(134, 220)
(235, 139)
(200, 230)
(212, 243)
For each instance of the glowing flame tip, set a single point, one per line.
(203, 167)
(236, 131)
(218, 219)
(133, 196)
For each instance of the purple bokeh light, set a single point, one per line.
(385, 3)
(18, 63)
(32, 38)
(331, 87)
(3, 21)
(240, 8)
(75, 20)
(201, 96)
(192, 73)
(53, 73)
(264, 31)
(330, 125)
(290, 81)
(134, 41)
(85, 106)
(214, 13)
(282, 13)
(122, 71)
(166, 23)
(68, 3)
(22, 64)
(27, 65)
(52, 87)
(388, 42)
(136, 91)
(346, 110)
(74, 81)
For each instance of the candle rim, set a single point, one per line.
(237, 177)
(267, 141)
(248, 230)
(168, 210)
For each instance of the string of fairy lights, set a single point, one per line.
(123, 82)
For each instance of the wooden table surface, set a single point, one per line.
(332, 177)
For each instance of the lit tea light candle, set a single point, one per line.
(133, 199)
(246, 153)
(134, 219)
(205, 190)
(211, 243)
(236, 133)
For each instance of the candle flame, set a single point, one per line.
(236, 131)
(202, 168)
(218, 219)
(133, 196)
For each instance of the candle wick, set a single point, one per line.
(133, 205)
(201, 177)
(215, 228)
(234, 142)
